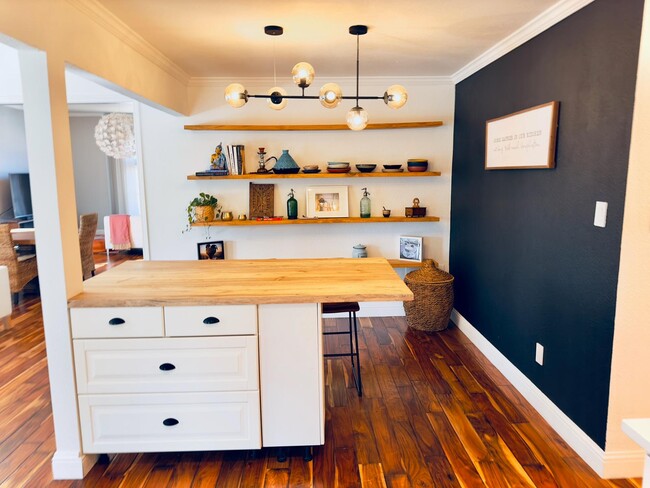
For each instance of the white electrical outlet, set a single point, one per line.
(539, 354)
(600, 216)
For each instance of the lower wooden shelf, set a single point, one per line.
(341, 220)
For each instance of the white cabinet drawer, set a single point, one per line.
(117, 322)
(211, 320)
(166, 365)
(170, 422)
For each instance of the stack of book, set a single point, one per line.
(235, 159)
(212, 172)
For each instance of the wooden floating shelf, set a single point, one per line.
(395, 125)
(351, 174)
(342, 220)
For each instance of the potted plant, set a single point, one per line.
(203, 208)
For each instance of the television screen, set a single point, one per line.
(21, 195)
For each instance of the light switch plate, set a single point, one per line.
(600, 216)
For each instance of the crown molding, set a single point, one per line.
(221, 81)
(539, 24)
(106, 19)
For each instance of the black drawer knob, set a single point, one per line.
(210, 320)
(170, 421)
(116, 321)
(166, 367)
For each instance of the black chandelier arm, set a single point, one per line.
(312, 97)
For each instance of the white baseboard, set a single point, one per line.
(621, 464)
(71, 465)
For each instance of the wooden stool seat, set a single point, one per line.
(351, 308)
(341, 307)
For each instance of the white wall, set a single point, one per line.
(170, 153)
(90, 169)
(13, 153)
(629, 393)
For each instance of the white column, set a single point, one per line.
(49, 153)
(629, 395)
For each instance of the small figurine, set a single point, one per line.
(218, 158)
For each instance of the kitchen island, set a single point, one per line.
(211, 355)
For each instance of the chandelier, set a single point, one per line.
(330, 94)
(114, 135)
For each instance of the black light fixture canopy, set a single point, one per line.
(330, 94)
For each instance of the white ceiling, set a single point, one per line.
(215, 38)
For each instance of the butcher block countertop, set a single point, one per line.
(261, 281)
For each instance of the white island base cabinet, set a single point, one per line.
(199, 378)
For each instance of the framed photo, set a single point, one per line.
(410, 248)
(211, 250)
(522, 140)
(327, 201)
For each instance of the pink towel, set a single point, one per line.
(120, 231)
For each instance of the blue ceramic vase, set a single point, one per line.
(286, 164)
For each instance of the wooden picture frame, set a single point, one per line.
(327, 201)
(410, 248)
(523, 140)
(211, 250)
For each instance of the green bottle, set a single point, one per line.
(292, 207)
(365, 204)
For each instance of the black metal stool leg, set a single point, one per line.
(351, 346)
(356, 353)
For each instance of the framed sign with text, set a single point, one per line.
(524, 139)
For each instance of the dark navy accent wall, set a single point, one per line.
(529, 264)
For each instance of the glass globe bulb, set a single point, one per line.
(303, 74)
(276, 102)
(357, 118)
(330, 95)
(395, 96)
(236, 95)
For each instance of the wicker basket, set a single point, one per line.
(433, 291)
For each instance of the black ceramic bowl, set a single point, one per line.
(366, 168)
(392, 166)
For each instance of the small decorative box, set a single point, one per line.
(415, 210)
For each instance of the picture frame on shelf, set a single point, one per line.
(327, 201)
(211, 250)
(410, 248)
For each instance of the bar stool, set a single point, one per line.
(351, 308)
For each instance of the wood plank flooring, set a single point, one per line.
(435, 413)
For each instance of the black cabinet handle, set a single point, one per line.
(116, 321)
(170, 421)
(210, 320)
(166, 367)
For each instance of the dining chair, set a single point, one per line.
(87, 231)
(22, 268)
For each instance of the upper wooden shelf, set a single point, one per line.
(276, 127)
(325, 174)
(338, 220)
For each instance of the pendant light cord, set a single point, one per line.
(357, 70)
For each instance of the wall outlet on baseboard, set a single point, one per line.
(539, 354)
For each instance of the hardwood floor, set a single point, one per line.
(434, 413)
